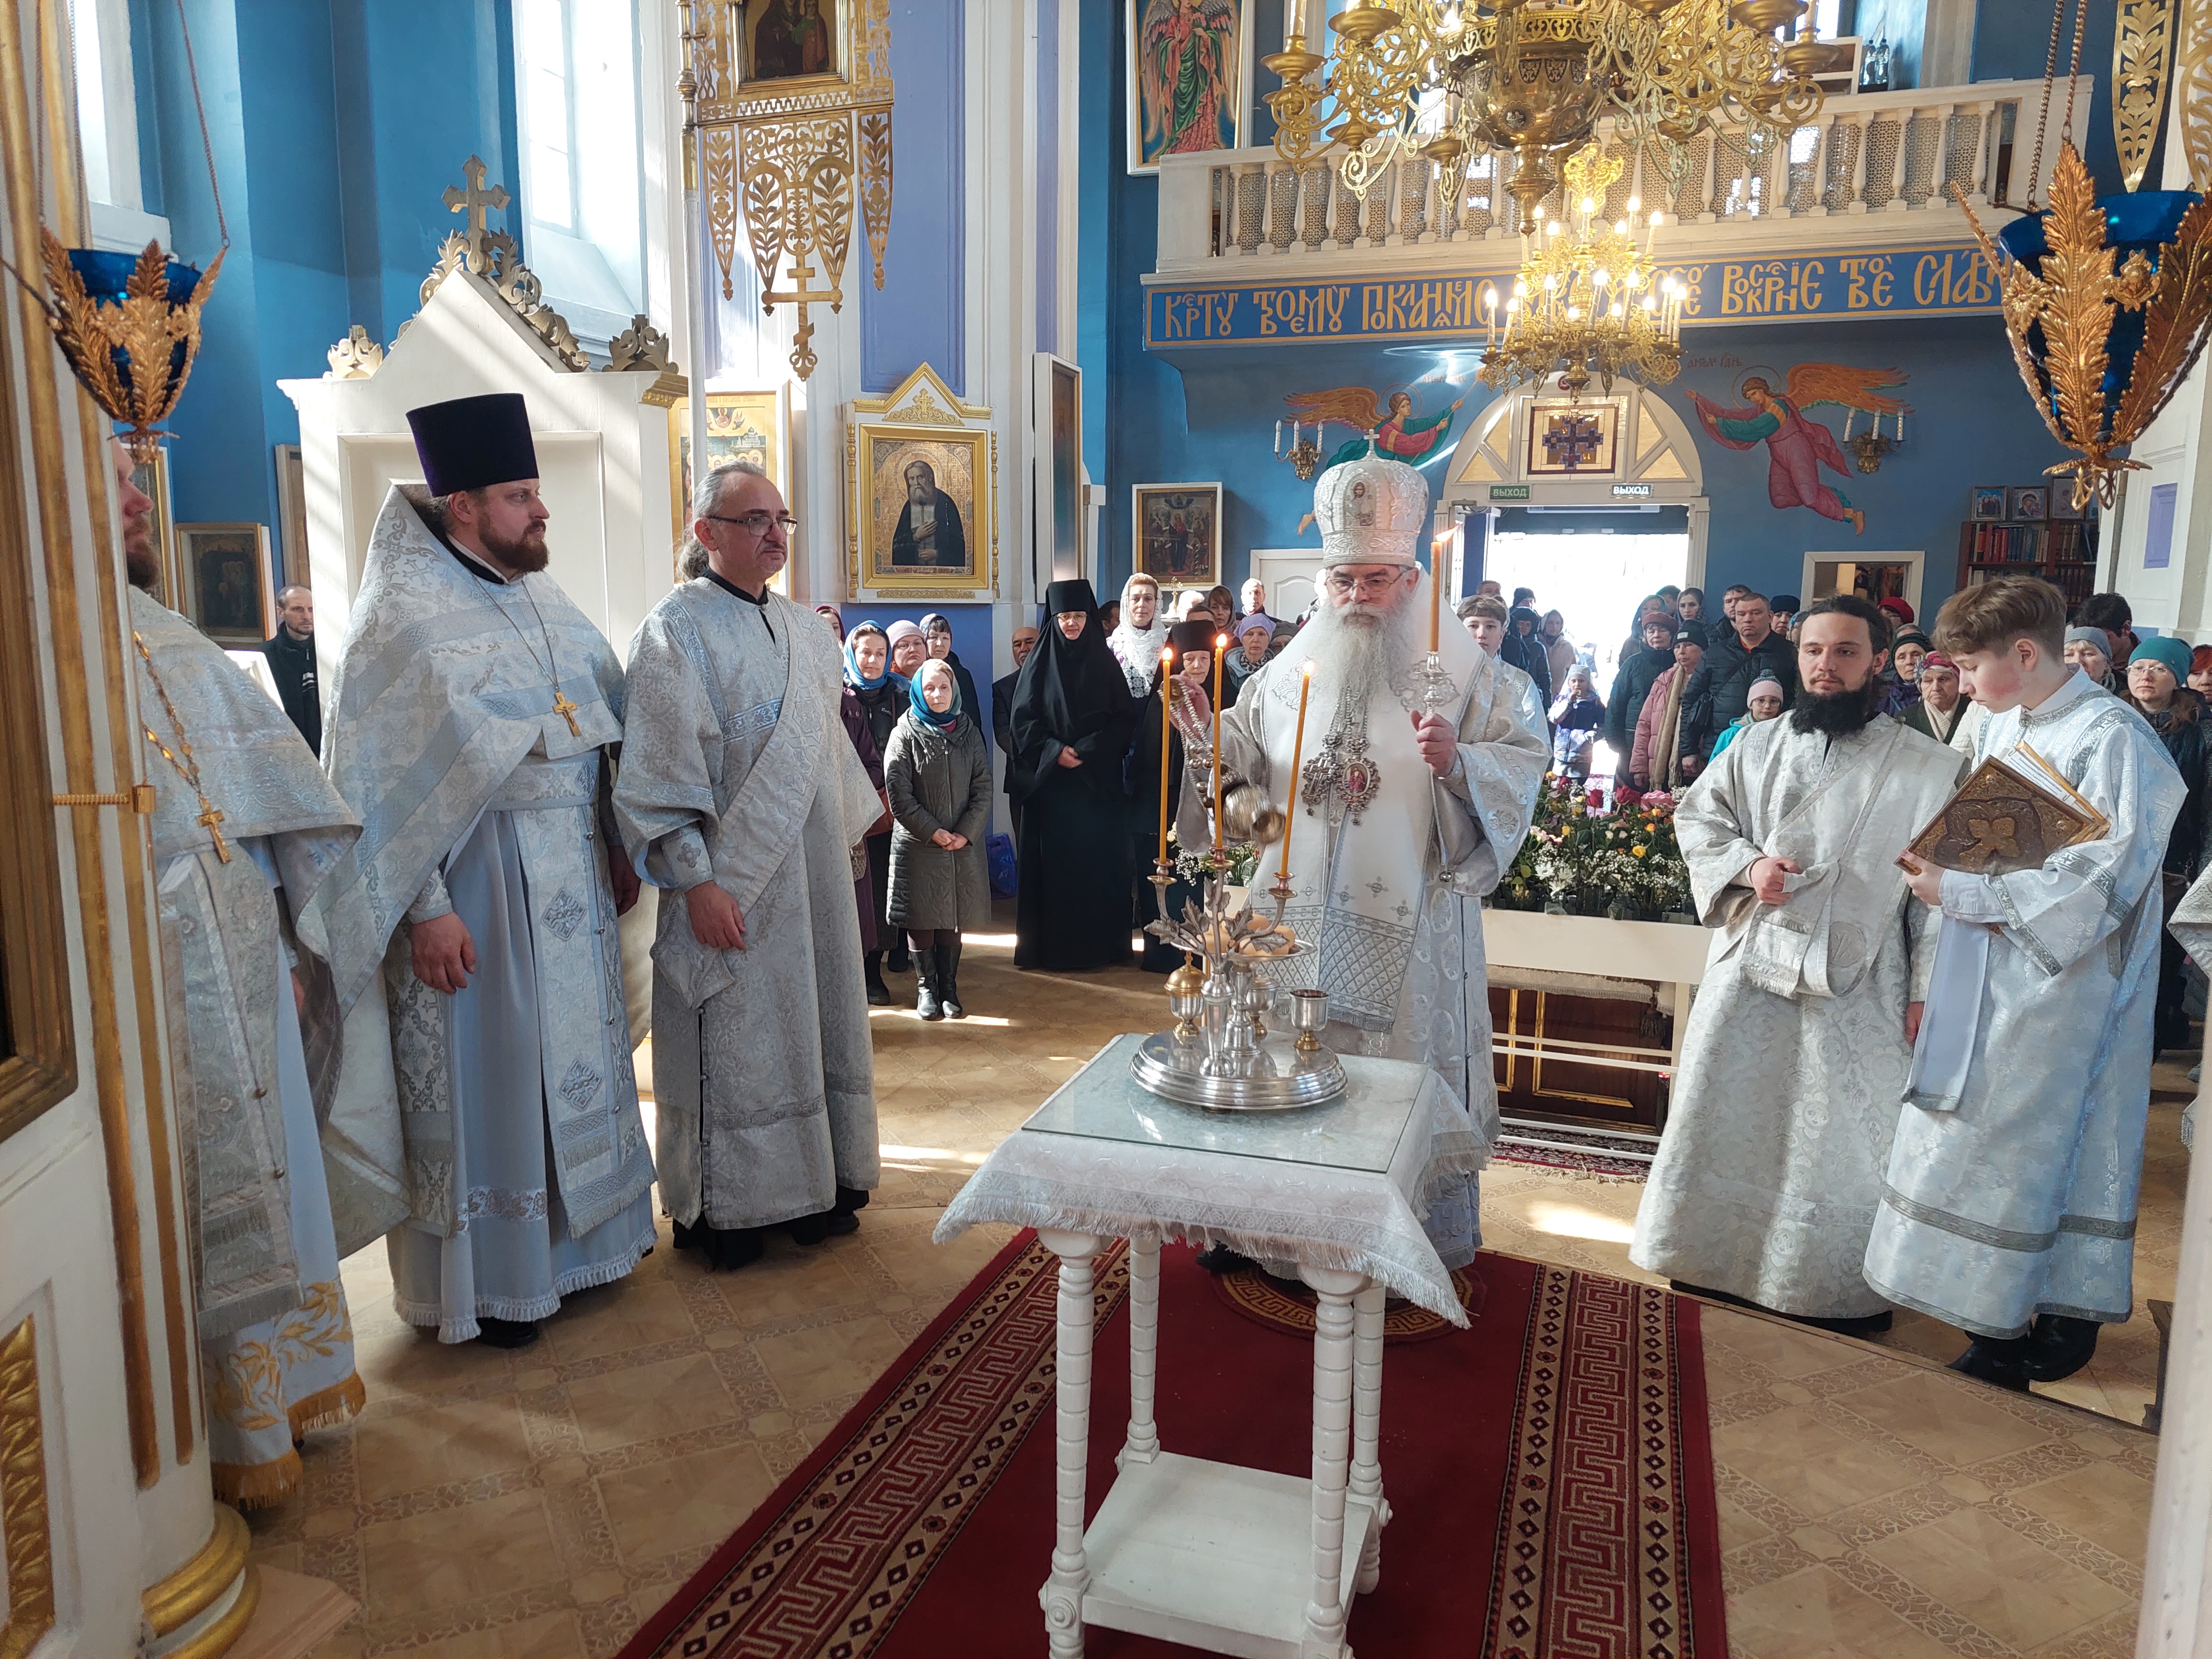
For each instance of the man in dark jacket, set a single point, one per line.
(1526, 652)
(1002, 711)
(1631, 683)
(291, 656)
(1755, 650)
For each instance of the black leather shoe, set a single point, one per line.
(506, 1333)
(1220, 1258)
(726, 1249)
(811, 1230)
(879, 994)
(948, 984)
(1996, 1359)
(2059, 1346)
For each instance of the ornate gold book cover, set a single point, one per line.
(2000, 821)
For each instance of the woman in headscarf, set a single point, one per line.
(1908, 648)
(909, 650)
(1191, 715)
(1249, 648)
(936, 639)
(2090, 650)
(1136, 641)
(939, 774)
(1073, 718)
(881, 697)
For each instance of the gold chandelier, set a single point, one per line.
(1446, 80)
(1586, 298)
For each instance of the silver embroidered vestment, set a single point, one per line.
(1770, 1167)
(1392, 902)
(737, 770)
(525, 1175)
(276, 1341)
(2012, 1185)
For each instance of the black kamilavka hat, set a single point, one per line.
(471, 443)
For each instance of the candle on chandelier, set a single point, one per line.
(1167, 701)
(1220, 650)
(1278, 439)
(1297, 748)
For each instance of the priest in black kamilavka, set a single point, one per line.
(1073, 720)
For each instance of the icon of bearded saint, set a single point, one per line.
(1797, 448)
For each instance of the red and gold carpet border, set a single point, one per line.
(848, 1540)
(1611, 1425)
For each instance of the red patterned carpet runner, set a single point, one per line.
(1556, 1452)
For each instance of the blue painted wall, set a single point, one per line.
(922, 314)
(337, 126)
(2011, 38)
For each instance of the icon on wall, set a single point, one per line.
(1391, 423)
(1190, 78)
(1178, 531)
(1798, 447)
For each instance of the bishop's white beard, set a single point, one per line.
(1360, 649)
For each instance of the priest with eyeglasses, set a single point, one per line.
(741, 795)
(472, 721)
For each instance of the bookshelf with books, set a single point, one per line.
(2062, 550)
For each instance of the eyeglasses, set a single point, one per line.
(756, 524)
(1373, 585)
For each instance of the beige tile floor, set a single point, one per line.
(539, 1505)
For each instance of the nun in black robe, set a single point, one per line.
(1072, 911)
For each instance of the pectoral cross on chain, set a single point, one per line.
(211, 816)
(566, 711)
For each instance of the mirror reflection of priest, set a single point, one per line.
(929, 530)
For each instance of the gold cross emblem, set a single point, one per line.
(802, 295)
(211, 816)
(473, 201)
(566, 711)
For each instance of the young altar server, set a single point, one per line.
(1771, 1168)
(740, 792)
(244, 827)
(2011, 1205)
(472, 709)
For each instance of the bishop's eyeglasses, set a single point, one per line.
(1372, 586)
(756, 524)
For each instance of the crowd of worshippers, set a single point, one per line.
(909, 705)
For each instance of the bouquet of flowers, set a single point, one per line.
(1626, 863)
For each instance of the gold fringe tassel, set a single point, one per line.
(256, 1485)
(339, 1403)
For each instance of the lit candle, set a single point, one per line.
(1297, 748)
(1436, 590)
(1167, 700)
(1220, 650)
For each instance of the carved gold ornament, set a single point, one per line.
(1534, 80)
(2141, 38)
(640, 346)
(132, 353)
(787, 152)
(494, 256)
(26, 1527)
(2193, 95)
(356, 357)
(2061, 318)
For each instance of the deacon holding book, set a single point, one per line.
(470, 718)
(1770, 1172)
(2011, 1203)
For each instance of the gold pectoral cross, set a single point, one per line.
(211, 816)
(566, 711)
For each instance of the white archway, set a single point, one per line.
(1646, 449)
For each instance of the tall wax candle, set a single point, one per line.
(1167, 700)
(1436, 590)
(1220, 650)
(1297, 748)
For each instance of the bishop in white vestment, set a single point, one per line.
(246, 827)
(2010, 1201)
(1398, 830)
(471, 717)
(740, 792)
(1770, 1167)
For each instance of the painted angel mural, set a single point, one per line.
(1797, 448)
(1392, 426)
(1188, 67)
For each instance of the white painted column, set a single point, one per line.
(1332, 1455)
(1062, 1595)
(1143, 1445)
(2177, 1613)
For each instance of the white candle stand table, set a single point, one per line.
(1229, 1560)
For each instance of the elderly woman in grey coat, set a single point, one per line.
(938, 774)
